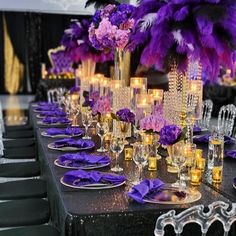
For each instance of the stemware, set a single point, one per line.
(179, 159)
(87, 121)
(117, 146)
(102, 129)
(140, 158)
(124, 128)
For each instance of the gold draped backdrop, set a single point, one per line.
(13, 68)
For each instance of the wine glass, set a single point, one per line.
(102, 129)
(179, 159)
(140, 158)
(117, 146)
(87, 121)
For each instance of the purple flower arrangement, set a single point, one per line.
(102, 106)
(182, 30)
(111, 27)
(153, 123)
(125, 115)
(77, 43)
(169, 135)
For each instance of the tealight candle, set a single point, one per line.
(195, 177)
(138, 82)
(128, 154)
(116, 84)
(200, 163)
(217, 174)
(198, 153)
(152, 163)
(144, 101)
(147, 139)
(156, 94)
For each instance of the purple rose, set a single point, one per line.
(126, 115)
(169, 134)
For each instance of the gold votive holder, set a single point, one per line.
(200, 163)
(217, 172)
(198, 153)
(152, 163)
(128, 154)
(147, 139)
(195, 177)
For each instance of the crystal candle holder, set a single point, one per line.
(152, 163)
(147, 139)
(128, 154)
(217, 173)
(198, 153)
(116, 84)
(156, 94)
(138, 83)
(195, 177)
(200, 163)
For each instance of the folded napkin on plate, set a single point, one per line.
(196, 129)
(205, 139)
(81, 177)
(51, 120)
(53, 113)
(66, 131)
(68, 142)
(45, 108)
(47, 104)
(76, 159)
(140, 191)
(230, 153)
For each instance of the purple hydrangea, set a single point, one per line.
(169, 134)
(79, 47)
(126, 115)
(153, 123)
(111, 27)
(102, 106)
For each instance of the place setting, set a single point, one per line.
(54, 122)
(68, 132)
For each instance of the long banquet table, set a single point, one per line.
(110, 212)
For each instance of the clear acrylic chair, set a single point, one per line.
(55, 95)
(226, 119)
(207, 108)
(218, 211)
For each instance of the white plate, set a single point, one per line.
(44, 134)
(88, 167)
(51, 146)
(40, 123)
(93, 186)
(234, 186)
(191, 196)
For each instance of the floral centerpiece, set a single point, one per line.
(76, 42)
(102, 106)
(110, 30)
(169, 135)
(183, 30)
(152, 123)
(124, 115)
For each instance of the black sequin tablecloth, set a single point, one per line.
(110, 212)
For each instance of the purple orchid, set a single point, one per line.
(179, 30)
(77, 43)
(126, 115)
(111, 27)
(169, 134)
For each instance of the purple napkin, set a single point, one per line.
(45, 108)
(196, 129)
(67, 131)
(205, 139)
(234, 181)
(81, 177)
(52, 120)
(69, 142)
(53, 113)
(78, 159)
(230, 153)
(140, 191)
(41, 104)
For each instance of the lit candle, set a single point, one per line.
(217, 174)
(128, 154)
(138, 82)
(198, 153)
(147, 139)
(195, 177)
(156, 94)
(144, 101)
(116, 84)
(200, 163)
(152, 163)
(75, 97)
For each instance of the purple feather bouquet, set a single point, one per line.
(182, 30)
(111, 27)
(77, 43)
